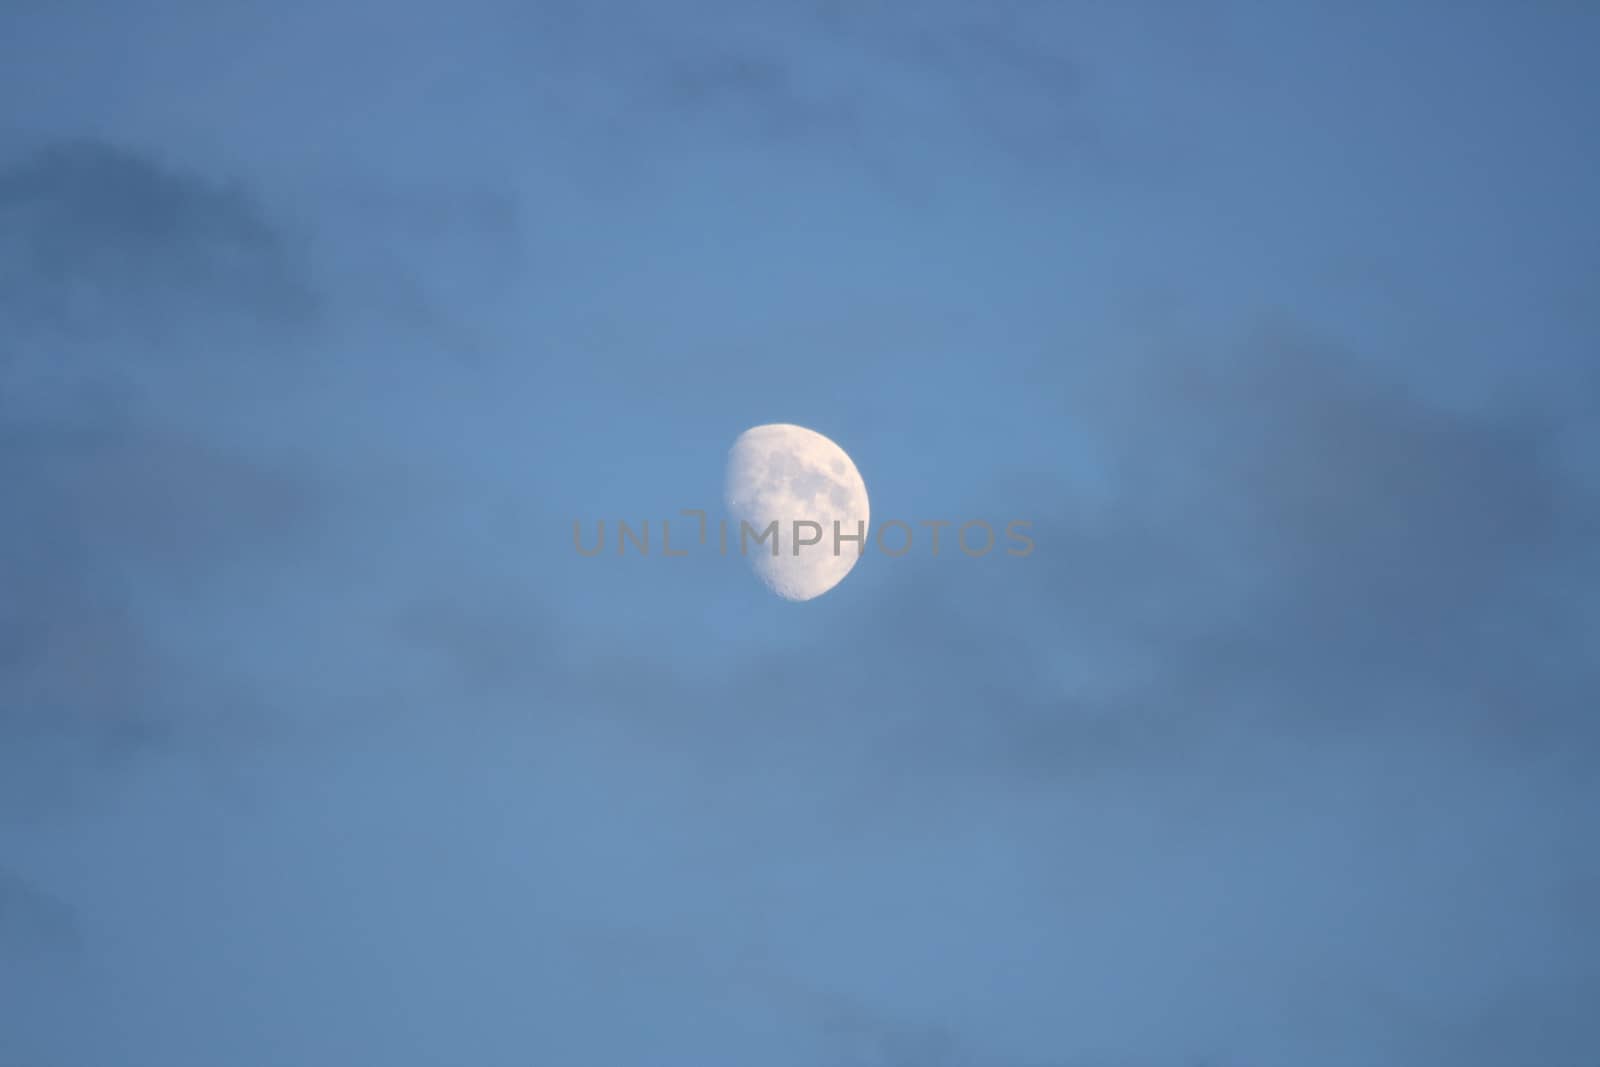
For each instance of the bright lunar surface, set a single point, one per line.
(786, 472)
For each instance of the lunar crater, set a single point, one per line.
(785, 473)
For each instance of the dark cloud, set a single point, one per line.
(998, 82)
(1392, 556)
(96, 236)
(759, 94)
(122, 269)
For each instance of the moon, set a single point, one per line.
(786, 473)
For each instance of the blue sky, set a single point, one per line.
(320, 744)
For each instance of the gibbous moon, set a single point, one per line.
(784, 473)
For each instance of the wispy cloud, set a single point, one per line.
(315, 733)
